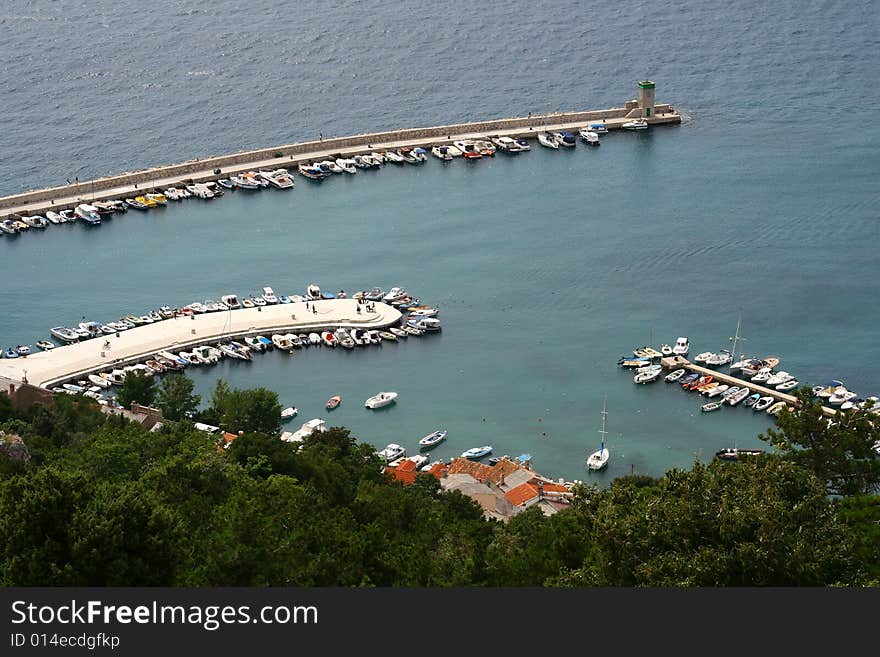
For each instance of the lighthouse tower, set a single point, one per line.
(646, 98)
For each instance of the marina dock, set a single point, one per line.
(679, 362)
(134, 183)
(77, 360)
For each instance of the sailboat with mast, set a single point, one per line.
(599, 459)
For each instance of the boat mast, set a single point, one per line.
(736, 338)
(603, 433)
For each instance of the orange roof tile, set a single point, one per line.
(521, 494)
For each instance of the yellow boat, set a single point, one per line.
(647, 352)
(150, 203)
(158, 198)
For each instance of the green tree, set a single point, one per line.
(138, 388)
(760, 522)
(839, 450)
(176, 398)
(254, 410)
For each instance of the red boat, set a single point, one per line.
(333, 402)
(703, 380)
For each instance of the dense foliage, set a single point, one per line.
(104, 502)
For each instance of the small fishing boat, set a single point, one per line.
(314, 338)
(385, 335)
(476, 452)
(548, 139)
(333, 402)
(88, 213)
(776, 408)
(723, 357)
(787, 385)
(523, 143)
(566, 138)
(710, 406)
(703, 356)
(10, 352)
(738, 396)
(400, 333)
(599, 128)
(752, 399)
(282, 342)
(717, 390)
(45, 345)
(734, 454)
(674, 376)
(392, 452)
(427, 324)
(486, 147)
(649, 375)
(590, 137)
(329, 339)
(506, 144)
(442, 153)
(468, 149)
(135, 204)
(311, 172)
(36, 221)
(763, 403)
(289, 412)
(381, 399)
(433, 438)
(635, 124)
(64, 334)
(8, 226)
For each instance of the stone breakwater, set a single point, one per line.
(212, 168)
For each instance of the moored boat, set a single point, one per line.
(433, 438)
(381, 399)
(333, 402)
(476, 452)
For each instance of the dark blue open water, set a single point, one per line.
(547, 266)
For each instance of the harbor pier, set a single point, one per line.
(679, 362)
(79, 359)
(135, 183)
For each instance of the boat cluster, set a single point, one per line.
(96, 212)
(418, 318)
(393, 454)
(755, 372)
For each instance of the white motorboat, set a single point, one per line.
(674, 376)
(279, 178)
(723, 357)
(762, 375)
(717, 390)
(598, 128)
(548, 139)
(289, 412)
(200, 190)
(763, 403)
(54, 217)
(666, 350)
(681, 347)
(840, 396)
(590, 137)
(392, 452)
(313, 292)
(468, 149)
(45, 345)
(306, 430)
(427, 324)
(295, 342)
(738, 396)
(635, 124)
(231, 301)
(507, 144)
(476, 452)
(329, 339)
(565, 138)
(776, 408)
(269, 295)
(394, 294)
(99, 380)
(599, 459)
(400, 333)
(648, 376)
(703, 356)
(787, 385)
(394, 157)
(385, 335)
(380, 400)
(282, 342)
(433, 438)
(708, 407)
(779, 377)
(64, 334)
(442, 153)
(346, 165)
(314, 338)
(88, 213)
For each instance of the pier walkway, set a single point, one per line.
(678, 362)
(77, 360)
(288, 156)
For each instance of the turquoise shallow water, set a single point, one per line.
(547, 266)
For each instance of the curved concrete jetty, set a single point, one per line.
(77, 360)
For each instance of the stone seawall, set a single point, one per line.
(300, 151)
